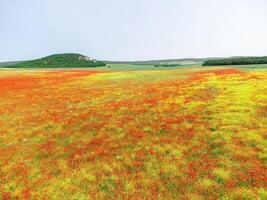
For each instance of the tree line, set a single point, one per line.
(166, 65)
(236, 61)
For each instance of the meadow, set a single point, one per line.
(183, 133)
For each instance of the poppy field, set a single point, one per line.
(196, 133)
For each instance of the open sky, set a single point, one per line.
(132, 29)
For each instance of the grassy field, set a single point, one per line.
(111, 133)
(134, 67)
(150, 67)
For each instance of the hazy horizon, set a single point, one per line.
(133, 30)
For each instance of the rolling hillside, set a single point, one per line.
(66, 60)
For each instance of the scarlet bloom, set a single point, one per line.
(137, 133)
(6, 196)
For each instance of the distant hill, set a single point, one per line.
(66, 60)
(236, 61)
(4, 64)
(69, 60)
(182, 61)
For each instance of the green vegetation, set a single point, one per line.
(132, 67)
(67, 60)
(236, 61)
(138, 67)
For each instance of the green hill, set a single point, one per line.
(67, 60)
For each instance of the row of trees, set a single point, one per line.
(166, 65)
(236, 61)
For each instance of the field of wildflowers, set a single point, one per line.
(167, 134)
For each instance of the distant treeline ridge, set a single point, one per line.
(236, 61)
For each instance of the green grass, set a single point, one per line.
(139, 67)
(248, 67)
(135, 67)
(144, 67)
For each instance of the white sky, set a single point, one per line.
(132, 29)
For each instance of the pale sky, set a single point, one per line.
(132, 29)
